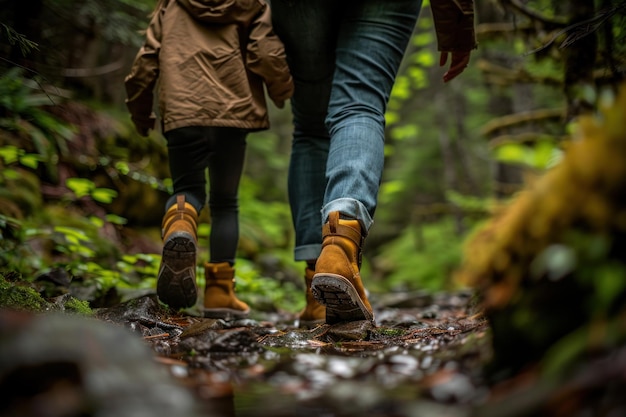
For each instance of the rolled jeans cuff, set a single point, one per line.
(307, 252)
(351, 208)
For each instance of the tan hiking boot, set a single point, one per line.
(220, 300)
(313, 313)
(176, 283)
(337, 281)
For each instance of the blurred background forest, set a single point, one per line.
(82, 195)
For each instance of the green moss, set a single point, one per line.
(19, 297)
(74, 305)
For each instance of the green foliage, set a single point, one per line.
(88, 257)
(144, 266)
(545, 68)
(267, 162)
(404, 132)
(422, 258)
(37, 130)
(11, 154)
(263, 224)
(266, 293)
(415, 76)
(73, 242)
(543, 154)
(125, 156)
(83, 187)
(423, 39)
(433, 140)
(91, 260)
(468, 203)
(389, 190)
(15, 256)
(91, 272)
(15, 38)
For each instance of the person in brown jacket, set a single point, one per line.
(209, 62)
(344, 57)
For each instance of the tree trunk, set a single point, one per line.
(580, 59)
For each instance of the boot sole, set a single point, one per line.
(176, 283)
(225, 313)
(341, 299)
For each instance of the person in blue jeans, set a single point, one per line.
(344, 57)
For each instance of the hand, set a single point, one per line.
(280, 104)
(142, 130)
(458, 63)
(143, 126)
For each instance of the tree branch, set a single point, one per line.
(488, 30)
(512, 120)
(90, 72)
(535, 15)
(526, 138)
(501, 75)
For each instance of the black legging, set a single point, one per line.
(222, 150)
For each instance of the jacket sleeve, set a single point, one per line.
(141, 80)
(454, 24)
(266, 58)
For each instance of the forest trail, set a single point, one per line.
(424, 353)
(427, 355)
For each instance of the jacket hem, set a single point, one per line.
(240, 124)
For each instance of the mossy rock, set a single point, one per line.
(20, 296)
(552, 261)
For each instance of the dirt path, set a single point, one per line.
(424, 353)
(425, 356)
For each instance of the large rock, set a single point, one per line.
(66, 365)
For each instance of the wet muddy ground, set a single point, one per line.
(423, 356)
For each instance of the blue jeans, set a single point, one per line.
(191, 151)
(344, 56)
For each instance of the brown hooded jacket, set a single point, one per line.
(211, 59)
